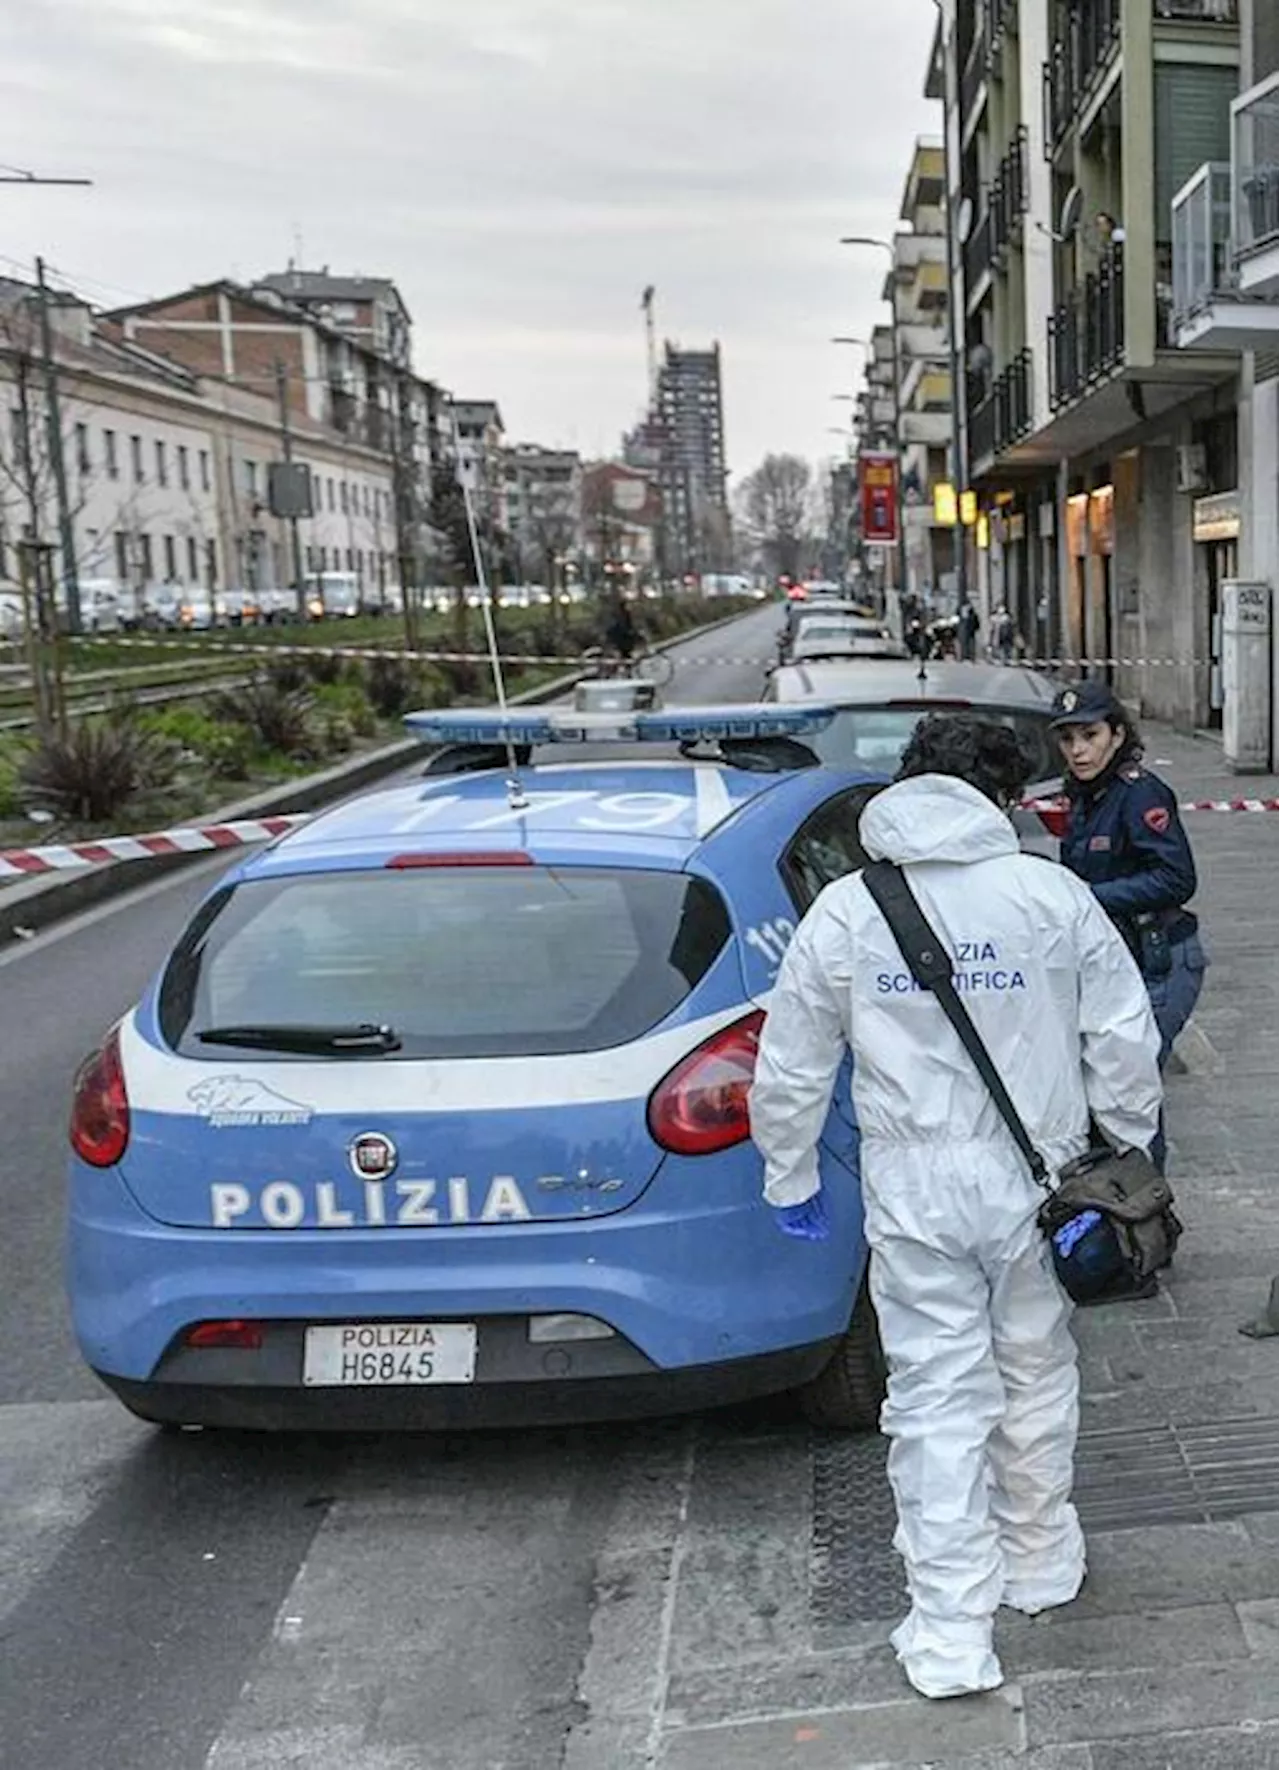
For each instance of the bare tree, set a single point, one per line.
(775, 504)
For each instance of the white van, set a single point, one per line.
(333, 595)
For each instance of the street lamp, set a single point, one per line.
(887, 246)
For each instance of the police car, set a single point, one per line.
(437, 1112)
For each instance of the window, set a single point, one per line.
(184, 467)
(826, 846)
(873, 738)
(122, 553)
(204, 470)
(351, 559)
(462, 962)
(342, 489)
(251, 478)
(145, 562)
(162, 465)
(18, 438)
(83, 461)
(211, 564)
(170, 560)
(193, 560)
(109, 454)
(135, 449)
(331, 494)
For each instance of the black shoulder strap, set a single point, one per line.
(927, 959)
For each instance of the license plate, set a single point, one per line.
(381, 1354)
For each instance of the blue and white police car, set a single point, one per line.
(436, 1113)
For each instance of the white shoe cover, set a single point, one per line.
(946, 1659)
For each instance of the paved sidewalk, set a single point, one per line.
(743, 1608)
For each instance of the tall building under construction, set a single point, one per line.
(685, 439)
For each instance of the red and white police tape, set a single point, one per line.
(63, 857)
(60, 857)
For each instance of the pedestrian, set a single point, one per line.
(1002, 634)
(982, 1406)
(967, 629)
(916, 642)
(1126, 840)
(621, 632)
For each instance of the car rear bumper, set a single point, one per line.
(709, 1286)
(568, 1398)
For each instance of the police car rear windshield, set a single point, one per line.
(461, 961)
(875, 737)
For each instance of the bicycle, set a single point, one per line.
(645, 663)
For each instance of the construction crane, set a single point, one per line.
(651, 343)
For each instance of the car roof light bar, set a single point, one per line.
(672, 725)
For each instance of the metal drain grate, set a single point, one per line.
(1124, 1478)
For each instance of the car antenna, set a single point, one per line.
(517, 798)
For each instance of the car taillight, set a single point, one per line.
(244, 1336)
(100, 1107)
(1054, 814)
(701, 1105)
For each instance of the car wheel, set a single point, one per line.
(846, 1394)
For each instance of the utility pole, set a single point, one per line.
(286, 445)
(57, 456)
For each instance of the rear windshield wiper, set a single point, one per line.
(363, 1039)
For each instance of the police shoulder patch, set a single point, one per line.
(1156, 819)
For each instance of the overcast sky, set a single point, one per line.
(520, 168)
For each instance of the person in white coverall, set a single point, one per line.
(982, 1404)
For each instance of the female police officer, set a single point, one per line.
(1124, 838)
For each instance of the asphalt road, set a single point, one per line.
(164, 1593)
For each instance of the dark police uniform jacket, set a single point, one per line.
(1125, 839)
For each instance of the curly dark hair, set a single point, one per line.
(981, 751)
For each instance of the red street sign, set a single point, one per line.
(878, 484)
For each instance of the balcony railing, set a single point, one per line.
(977, 250)
(1004, 416)
(1086, 332)
(1009, 193)
(1075, 61)
(1255, 168)
(1215, 12)
(1201, 240)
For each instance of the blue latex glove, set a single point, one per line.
(807, 1222)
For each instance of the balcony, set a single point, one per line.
(1008, 200)
(1210, 310)
(1210, 12)
(1086, 332)
(1004, 417)
(978, 251)
(1075, 65)
(1255, 187)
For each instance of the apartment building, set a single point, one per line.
(1226, 278)
(368, 429)
(687, 427)
(1091, 433)
(140, 448)
(474, 431)
(542, 510)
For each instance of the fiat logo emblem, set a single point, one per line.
(372, 1156)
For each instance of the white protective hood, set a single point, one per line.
(935, 817)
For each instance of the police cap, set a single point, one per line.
(1086, 703)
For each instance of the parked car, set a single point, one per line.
(436, 1115)
(798, 614)
(843, 636)
(277, 605)
(100, 605)
(879, 704)
(333, 596)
